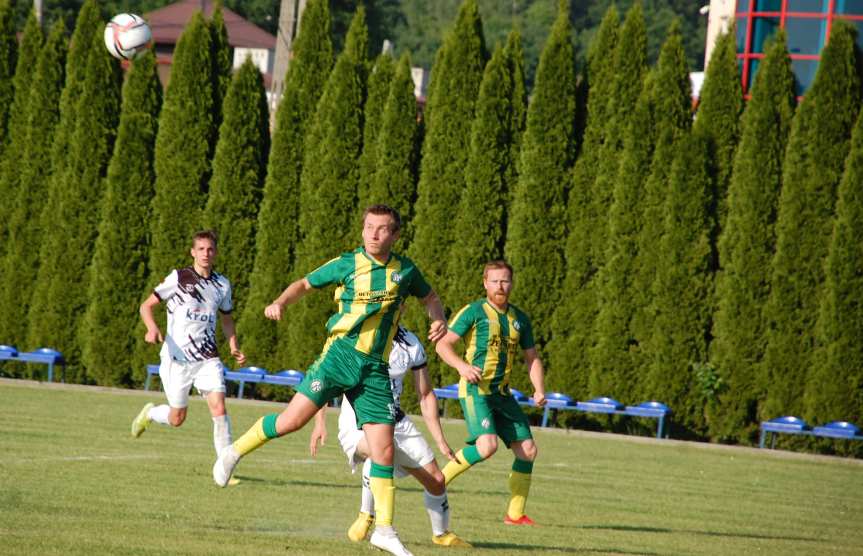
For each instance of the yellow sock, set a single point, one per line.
(519, 487)
(259, 434)
(384, 493)
(465, 458)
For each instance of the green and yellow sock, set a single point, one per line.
(384, 492)
(259, 434)
(465, 458)
(519, 487)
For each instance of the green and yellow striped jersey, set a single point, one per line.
(493, 341)
(369, 294)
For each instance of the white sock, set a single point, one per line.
(367, 503)
(159, 414)
(438, 510)
(221, 433)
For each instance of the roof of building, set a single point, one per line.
(168, 23)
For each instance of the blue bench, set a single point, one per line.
(43, 356)
(794, 425)
(556, 401)
(288, 377)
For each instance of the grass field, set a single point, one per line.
(72, 481)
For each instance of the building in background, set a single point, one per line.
(245, 38)
(806, 22)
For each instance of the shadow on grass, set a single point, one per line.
(566, 549)
(283, 483)
(642, 529)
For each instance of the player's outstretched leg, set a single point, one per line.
(465, 458)
(360, 527)
(142, 421)
(261, 432)
(519, 487)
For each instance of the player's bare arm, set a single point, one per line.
(429, 410)
(153, 335)
(319, 433)
(536, 372)
(291, 295)
(437, 328)
(230, 332)
(445, 349)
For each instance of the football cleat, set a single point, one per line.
(360, 527)
(140, 423)
(523, 520)
(224, 466)
(389, 543)
(451, 539)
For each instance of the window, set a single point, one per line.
(819, 6)
(741, 34)
(768, 5)
(764, 28)
(804, 74)
(742, 6)
(805, 36)
(849, 7)
(753, 69)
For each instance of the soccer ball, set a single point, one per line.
(126, 35)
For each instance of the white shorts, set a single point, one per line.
(178, 377)
(410, 447)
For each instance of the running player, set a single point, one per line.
(194, 296)
(494, 331)
(372, 282)
(412, 453)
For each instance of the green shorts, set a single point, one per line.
(340, 369)
(494, 414)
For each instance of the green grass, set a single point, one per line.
(72, 481)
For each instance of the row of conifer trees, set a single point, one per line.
(709, 262)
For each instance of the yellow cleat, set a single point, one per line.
(139, 425)
(452, 540)
(233, 481)
(360, 528)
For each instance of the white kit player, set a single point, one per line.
(194, 296)
(412, 454)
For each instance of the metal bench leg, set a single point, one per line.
(240, 390)
(147, 382)
(545, 417)
(761, 439)
(659, 427)
(50, 372)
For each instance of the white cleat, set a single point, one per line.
(389, 543)
(224, 466)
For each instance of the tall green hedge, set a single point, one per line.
(222, 62)
(673, 117)
(572, 324)
(537, 224)
(264, 342)
(328, 188)
(118, 273)
(746, 248)
(66, 252)
(618, 359)
(683, 289)
(817, 148)
(378, 91)
(834, 388)
(14, 97)
(239, 168)
(20, 265)
(395, 176)
(449, 113)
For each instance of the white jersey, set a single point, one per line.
(192, 301)
(406, 354)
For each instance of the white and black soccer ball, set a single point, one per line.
(126, 35)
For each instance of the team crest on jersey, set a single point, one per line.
(316, 385)
(396, 277)
(486, 423)
(516, 325)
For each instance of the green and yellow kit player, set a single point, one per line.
(495, 333)
(371, 285)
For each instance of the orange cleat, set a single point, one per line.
(523, 520)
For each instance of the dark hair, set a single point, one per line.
(495, 265)
(385, 209)
(206, 234)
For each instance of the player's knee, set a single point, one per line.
(530, 451)
(176, 419)
(437, 485)
(486, 445)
